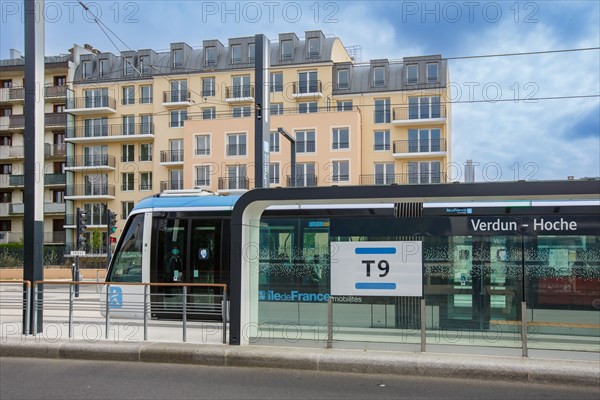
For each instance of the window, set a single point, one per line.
(382, 140)
(236, 53)
(86, 68)
(5, 226)
(378, 76)
(203, 175)
(313, 47)
(343, 81)
(241, 87)
(94, 127)
(60, 80)
(412, 74)
(5, 169)
(424, 140)
(208, 87)
(145, 64)
(236, 177)
(424, 107)
(5, 111)
(146, 152)
(308, 107)
(95, 156)
(177, 58)
(176, 150)
(251, 52)
(305, 175)
(179, 91)
(203, 145)
(103, 68)
(128, 66)
(432, 72)
(95, 184)
(129, 95)
(239, 112)
(177, 118)
(58, 196)
(305, 141)
(287, 50)
(128, 125)
(276, 81)
(145, 180)
(308, 83)
(274, 173)
(128, 181)
(176, 182)
(274, 142)
(128, 153)
(58, 108)
(209, 113)
(384, 173)
(236, 144)
(145, 94)
(424, 172)
(341, 171)
(345, 105)
(126, 208)
(127, 266)
(6, 83)
(210, 56)
(96, 98)
(276, 108)
(382, 111)
(5, 140)
(341, 139)
(146, 125)
(5, 197)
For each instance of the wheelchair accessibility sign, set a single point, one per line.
(115, 297)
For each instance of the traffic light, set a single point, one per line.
(112, 222)
(81, 226)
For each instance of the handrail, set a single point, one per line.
(221, 285)
(26, 282)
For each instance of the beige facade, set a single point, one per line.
(144, 122)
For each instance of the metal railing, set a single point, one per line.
(49, 179)
(167, 156)
(403, 178)
(98, 160)
(307, 87)
(230, 183)
(171, 185)
(91, 102)
(82, 131)
(176, 96)
(302, 181)
(90, 190)
(420, 146)
(241, 91)
(427, 111)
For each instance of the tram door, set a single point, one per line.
(205, 264)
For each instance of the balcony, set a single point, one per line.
(234, 183)
(171, 185)
(403, 179)
(302, 181)
(239, 94)
(7, 152)
(11, 237)
(177, 98)
(100, 162)
(49, 208)
(90, 192)
(420, 148)
(55, 93)
(4, 181)
(91, 105)
(171, 157)
(303, 90)
(55, 150)
(95, 220)
(49, 180)
(17, 122)
(12, 95)
(431, 114)
(4, 208)
(110, 133)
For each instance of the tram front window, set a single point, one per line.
(127, 265)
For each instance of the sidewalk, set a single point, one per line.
(486, 367)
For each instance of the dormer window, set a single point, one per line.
(177, 58)
(412, 74)
(128, 66)
(251, 52)
(432, 72)
(144, 64)
(313, 47)
(378, 76)
(236, 54)
(210, 56)
(86, 68)
(103, 68)
(343, 81)
(286, 50)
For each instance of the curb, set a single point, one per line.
(582, 373)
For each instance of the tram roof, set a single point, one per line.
(186, 202)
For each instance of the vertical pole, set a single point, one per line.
(145, 312)
(293, 163)
(184, 313)
(423, 337)
(107, 310)
(224, 315)
(70, 309)
(261, 111)
(33, 226)
(27, 304)
(108, 232)
(329, 323)
(524, 329)
(35, 309)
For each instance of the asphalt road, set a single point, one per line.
(27, 378)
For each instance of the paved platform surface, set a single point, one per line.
(556, 371)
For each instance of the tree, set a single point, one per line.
(96, 241)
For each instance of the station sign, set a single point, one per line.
(76, 253)
(390, 268)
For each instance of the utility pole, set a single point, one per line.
(33, 229)
(261, 111)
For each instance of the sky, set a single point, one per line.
(495, 122)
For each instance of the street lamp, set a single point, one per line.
(292, 153)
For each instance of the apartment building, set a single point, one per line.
(146, 121)
(59, 71)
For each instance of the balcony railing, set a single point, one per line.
(82, 131)
(145, 186)
(177, 96)
(307, 87)
(49, 208)
(91, 102)
(171, 156)
(55, 120)
(90, 190)
(403, 178)
(49, 237)
(236, 149)
(302, 181)
(420, 146)
(425, 111)
(16, 93)
(11, 152)
(93, 219)
(239, 92)
(171, 185)
(55, 150)
(231, 183)
(55, 91)
(49, 179)
(17, 122)
(100, 160)
(202, 182)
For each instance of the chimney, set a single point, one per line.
(15, 54)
